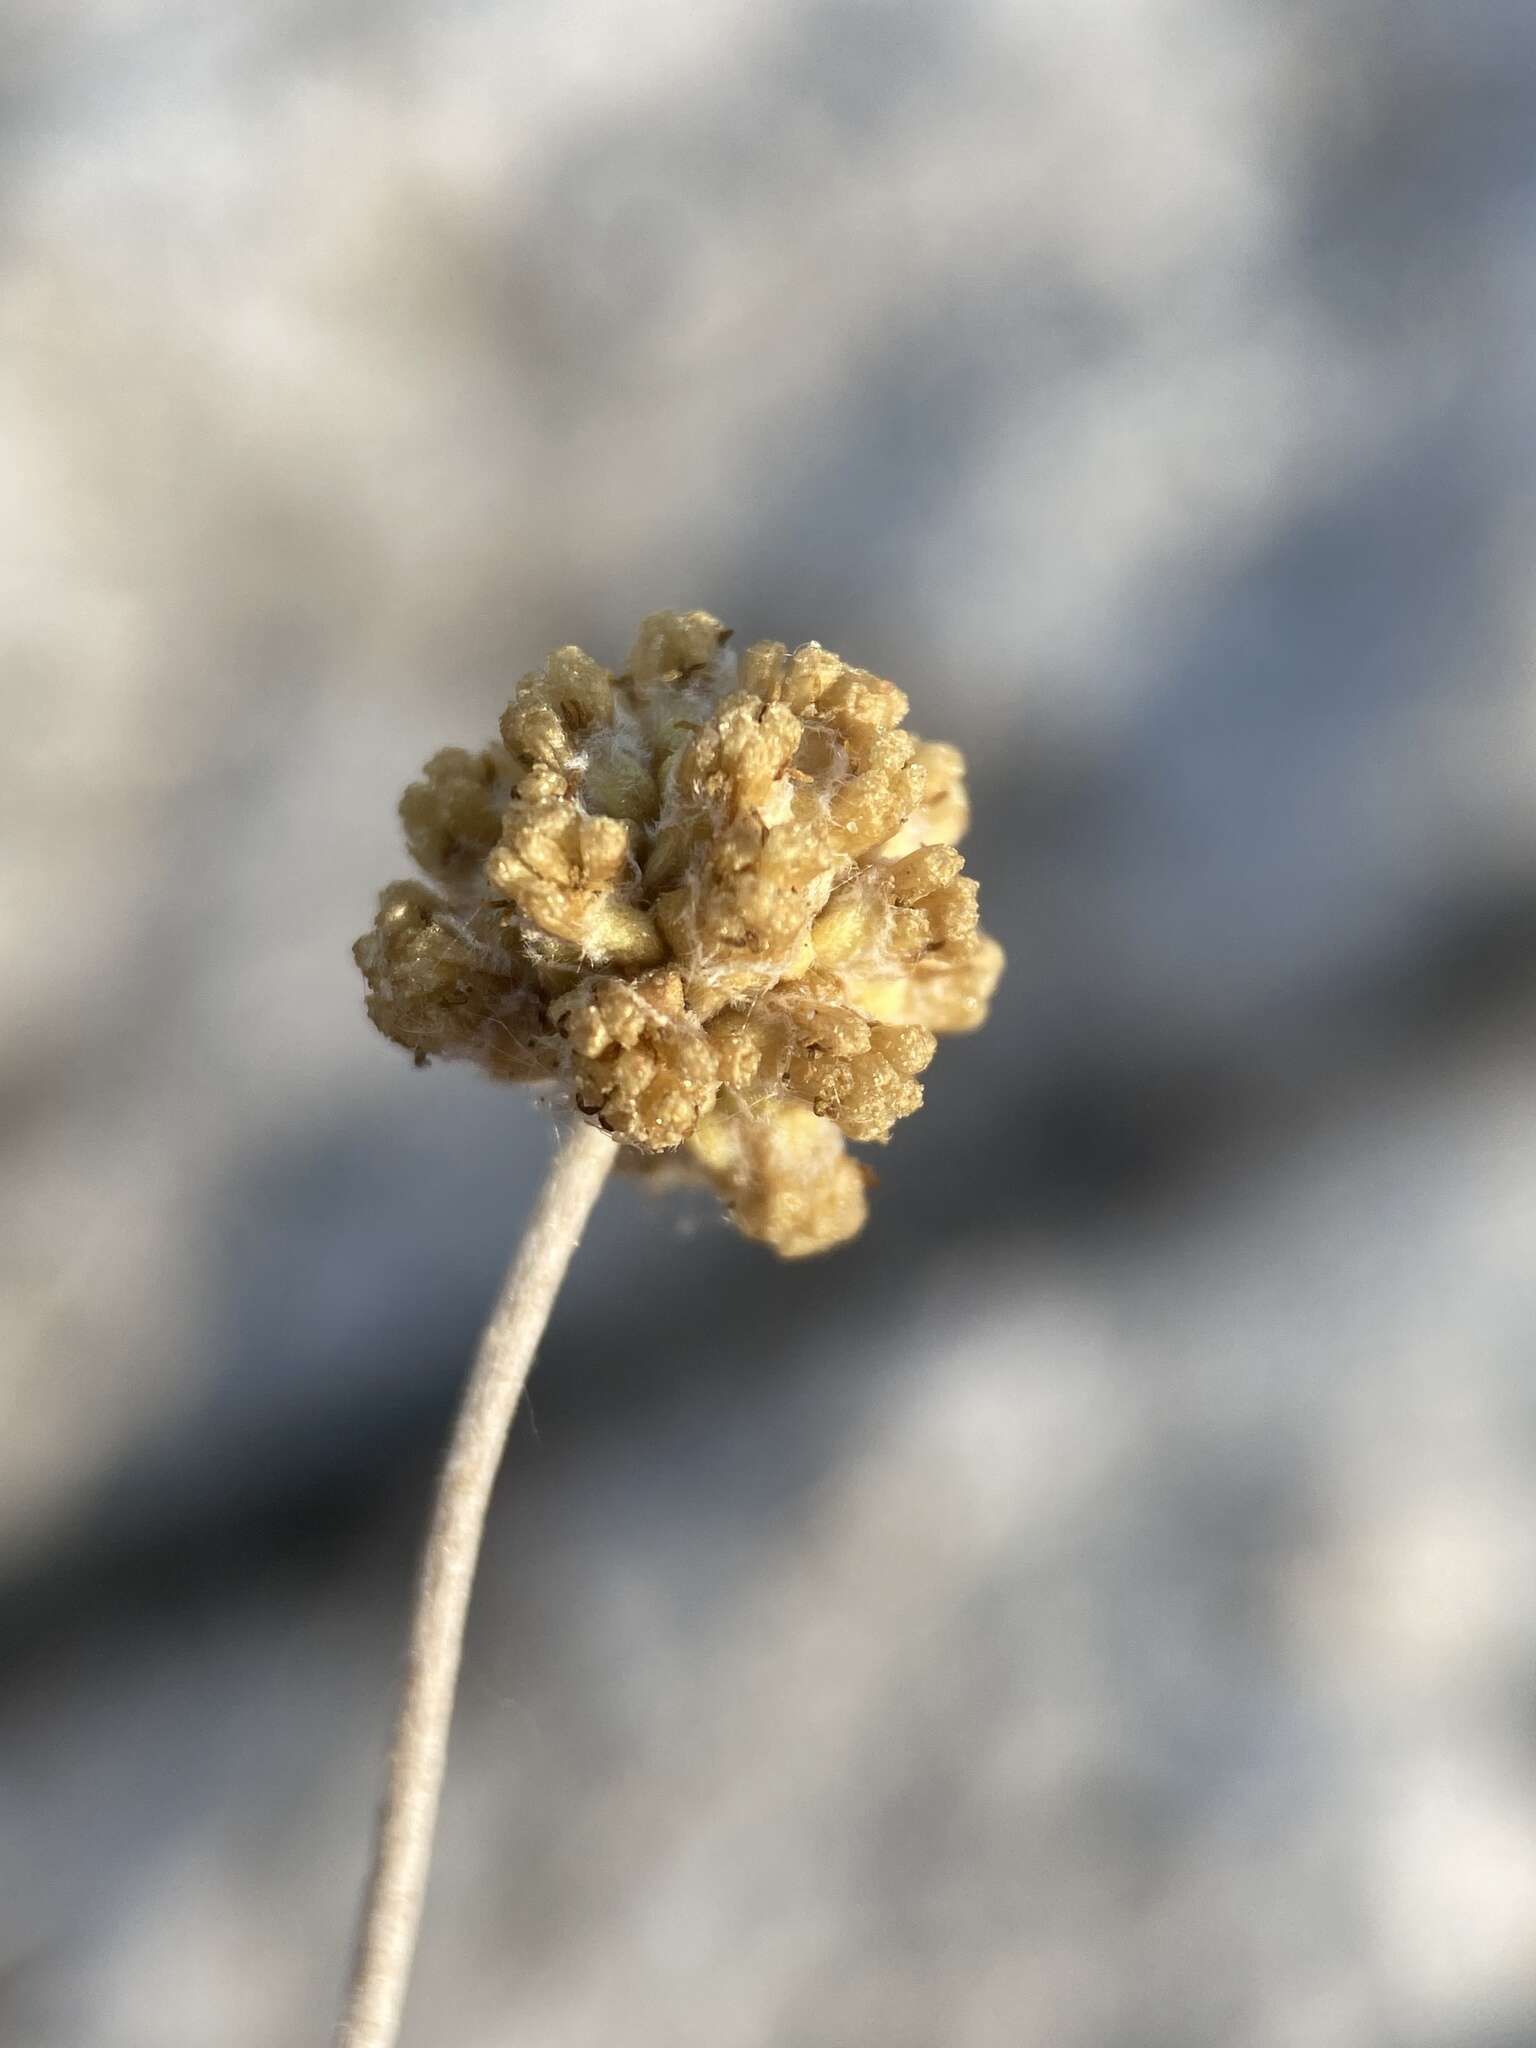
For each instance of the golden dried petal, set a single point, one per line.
(785, 1175)
(674, 644)
(452, 817)
(640, 1065)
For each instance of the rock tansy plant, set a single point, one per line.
(717, 909)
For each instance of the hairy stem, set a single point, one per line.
(398, 1882)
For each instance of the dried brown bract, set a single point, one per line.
(719, 903)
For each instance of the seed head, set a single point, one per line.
(719, 905)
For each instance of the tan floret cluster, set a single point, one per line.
(719, 903)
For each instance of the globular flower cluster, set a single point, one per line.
(719, 903)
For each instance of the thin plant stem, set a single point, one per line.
(403, 1851)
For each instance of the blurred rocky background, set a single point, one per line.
(1097, 1608)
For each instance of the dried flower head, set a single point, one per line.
(719, 903)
